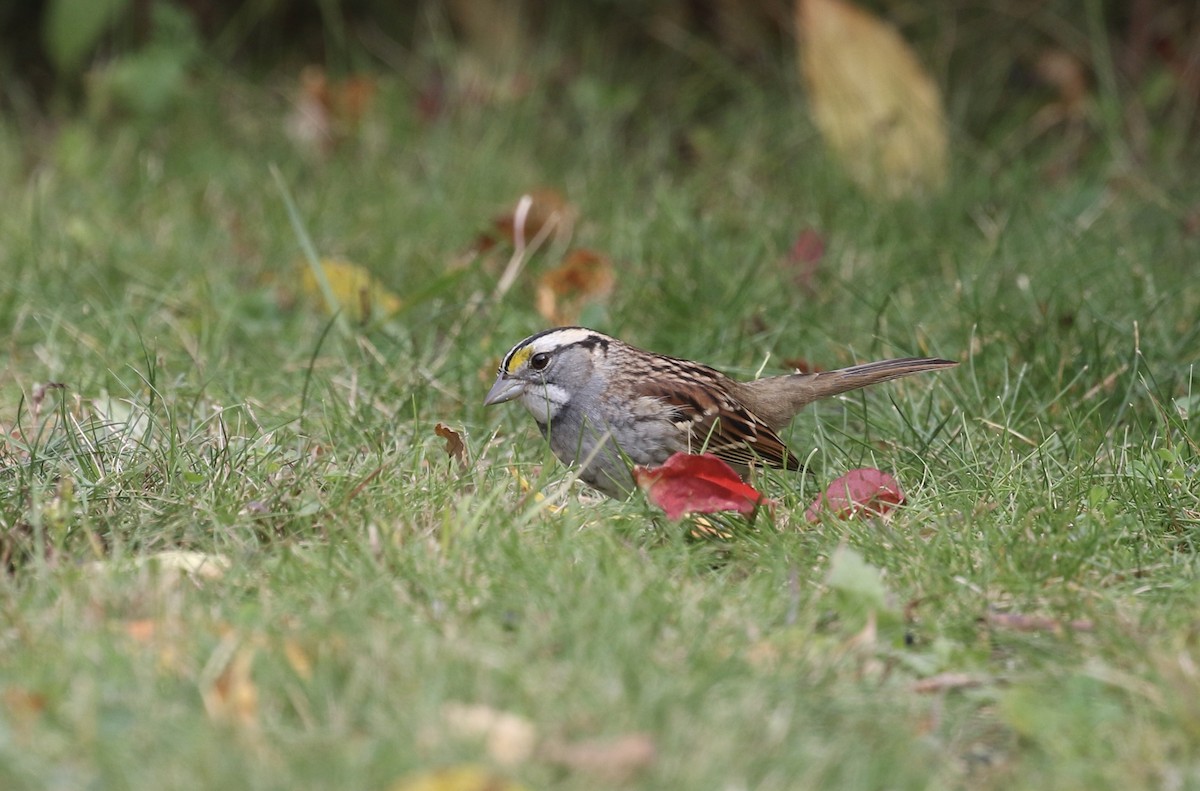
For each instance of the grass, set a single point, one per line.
(372, 582)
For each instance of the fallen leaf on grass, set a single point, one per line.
(161, 637)
(547, 210)
(172, 564)
(327, 112)
(803, 366)
(142, 630)
(351, 289)
(1066, 74)
(697, 484)
(297, 658)
(202, 565)
(456, 449)
(865, 491)
(509, 738)
(804, 258)
(232, 697)
(614, 761)
(584, 278)
(873, 103)
(23, 704)
(458, 778)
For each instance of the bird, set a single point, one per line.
(606, 405)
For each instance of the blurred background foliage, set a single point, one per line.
(1125, 67)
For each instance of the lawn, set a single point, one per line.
(370, 609)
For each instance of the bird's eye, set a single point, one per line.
(539, 361)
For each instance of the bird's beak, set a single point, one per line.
(504, 389)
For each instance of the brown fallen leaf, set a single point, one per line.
(1067, 75)
(874, 104)
(142, 630)
(232, 696)
(584, 278)
(456, 449)
(548, 210)
(614, 761)
(802, 365)
(327, 112)
(23, 708)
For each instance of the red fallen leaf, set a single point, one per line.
(865, 490)
(805, 257)
(809, 247)
(697, 484)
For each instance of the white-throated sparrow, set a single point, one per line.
(605, 404)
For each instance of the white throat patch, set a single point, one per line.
(544, 402)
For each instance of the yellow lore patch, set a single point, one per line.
(518, 359)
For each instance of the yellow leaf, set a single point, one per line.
(232, 697)
(297, 657)
(352, 288)
(459, 778)
(874, 104)
(171, 566)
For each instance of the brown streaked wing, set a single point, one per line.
(719, 425)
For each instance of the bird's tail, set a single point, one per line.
(788, 394)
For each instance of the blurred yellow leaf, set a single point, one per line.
(170, 567)
(584, 277)
(459, 778)
(352, 288)
(232, 696)
(876, 107)
(298, 659)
